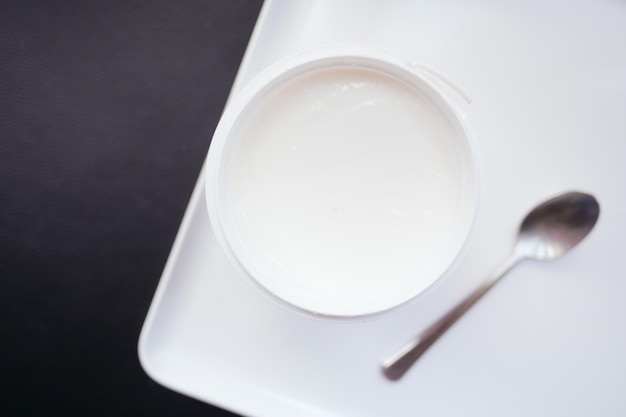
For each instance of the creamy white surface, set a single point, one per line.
(347, 179)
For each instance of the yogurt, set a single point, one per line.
(341, 190)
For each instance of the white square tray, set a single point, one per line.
(548, 83)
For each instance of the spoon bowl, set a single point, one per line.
(556, 226)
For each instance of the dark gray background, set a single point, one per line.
(106, 113)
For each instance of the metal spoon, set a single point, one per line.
(547, 232)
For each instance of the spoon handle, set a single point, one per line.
(397, 364)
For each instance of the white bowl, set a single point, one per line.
(341, 182)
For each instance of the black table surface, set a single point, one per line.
(106, 113)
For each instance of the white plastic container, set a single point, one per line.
(341, 182)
